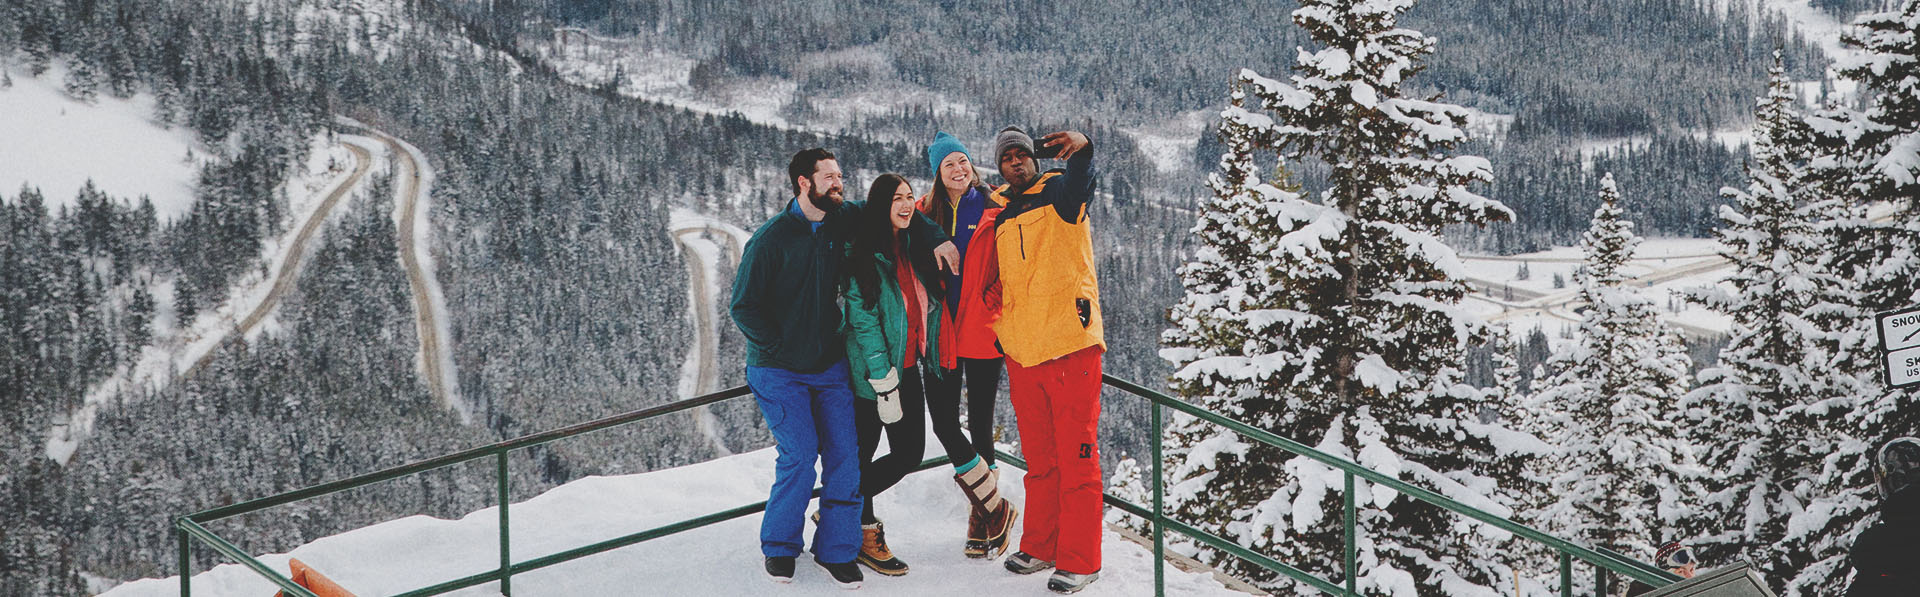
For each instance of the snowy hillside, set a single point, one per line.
(646, 71)
(925, 513)
(57, 143)
(1816, 25)
(179, 345)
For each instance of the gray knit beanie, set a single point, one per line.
(1010, 138)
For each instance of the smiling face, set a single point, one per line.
(826, 184)
(902, 210)
(956, 173)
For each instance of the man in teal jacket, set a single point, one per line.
(785, 303)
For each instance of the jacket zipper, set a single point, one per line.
(1022, 229)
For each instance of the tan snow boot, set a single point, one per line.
(875, 554)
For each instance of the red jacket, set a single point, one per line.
(966, 331)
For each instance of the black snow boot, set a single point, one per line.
(780, 569)
(846, 574)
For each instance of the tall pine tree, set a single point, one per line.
(1333, 317)
(1758, 453)
(1872, 159)
(1624, 476)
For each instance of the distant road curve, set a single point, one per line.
(287, 275)
(64, 437)
(687, 229)
(429, 309)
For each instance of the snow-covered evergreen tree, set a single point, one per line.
(1127, 481)
(1512, 398)
(1872, 158)
(1509, 386)
(83, 80)
(1623, 477)
(1333, 318)
(167, 105)
(1757, 454)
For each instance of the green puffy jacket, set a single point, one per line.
(877, 334)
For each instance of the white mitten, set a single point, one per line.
(890, 407)
(887, 391)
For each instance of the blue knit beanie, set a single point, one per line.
(943, 145)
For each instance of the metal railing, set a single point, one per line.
(191, 527)
(1603, 561)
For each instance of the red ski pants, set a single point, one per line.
(1057, 404)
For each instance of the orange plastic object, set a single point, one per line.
(313, 580)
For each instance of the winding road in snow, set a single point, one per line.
(64, 438)
(427, 315)
(412, 183)
(411, 186)
(1564, 305)
(432, 346)
(288, 273)
(692, 233)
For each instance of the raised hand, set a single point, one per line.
(1069, 142)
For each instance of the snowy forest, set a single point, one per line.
(1331, 313)
(1287, 269)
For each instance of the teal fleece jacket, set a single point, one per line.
(876, 329)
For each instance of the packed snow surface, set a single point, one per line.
(925, 514)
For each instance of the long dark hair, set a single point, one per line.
(874, 233)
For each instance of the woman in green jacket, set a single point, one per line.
(892, 314)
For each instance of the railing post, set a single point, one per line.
(1566, 575)
(506, 557)
(1352, 518)
(186, 559)
(1600, 581)
(1159, 530)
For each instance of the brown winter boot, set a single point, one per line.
(875, 554)
(991, 520)
(976, 527)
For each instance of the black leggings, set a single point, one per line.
(906, 440)
(943, 402)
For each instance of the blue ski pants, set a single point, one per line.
(811, 417)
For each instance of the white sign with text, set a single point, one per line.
(1900, 343)
(1903, 367)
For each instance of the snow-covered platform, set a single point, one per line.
(925, 516)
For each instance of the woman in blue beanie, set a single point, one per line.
(964, 206)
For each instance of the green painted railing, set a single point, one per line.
(1603, 561)
(190, 527)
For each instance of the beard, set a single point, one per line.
(831, 198)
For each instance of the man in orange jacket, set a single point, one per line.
(1050, 329)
